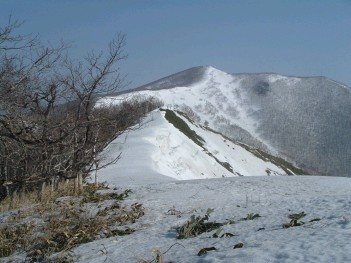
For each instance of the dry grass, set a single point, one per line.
(12, 236)
(31, 198)
(58, 225)
(197, 225)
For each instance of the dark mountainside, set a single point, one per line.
(184, 78)
(307, 120)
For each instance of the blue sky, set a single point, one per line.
(295, 37)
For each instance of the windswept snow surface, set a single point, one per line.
(169, 205)
(161, 152)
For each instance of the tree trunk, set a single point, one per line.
(96, 174)
(41, 189)
(76, 185)
(52, 184)
(96, 179)
(22, 191)
(80, 182)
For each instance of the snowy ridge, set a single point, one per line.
(161, 152)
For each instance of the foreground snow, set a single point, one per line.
(169, 205)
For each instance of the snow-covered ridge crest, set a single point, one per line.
(160, 150)
(302, 119)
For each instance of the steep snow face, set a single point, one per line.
(305, 120)
(161, 152)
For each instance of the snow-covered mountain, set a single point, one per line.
(303, 120)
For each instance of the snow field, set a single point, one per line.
(273, 198)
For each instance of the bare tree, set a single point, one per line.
(49, 126)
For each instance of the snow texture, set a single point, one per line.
(169, 205)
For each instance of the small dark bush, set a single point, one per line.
(183, 127)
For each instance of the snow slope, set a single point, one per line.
(325, 236)
(160, 152)
(304, 120)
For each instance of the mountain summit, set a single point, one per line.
(305, 120)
